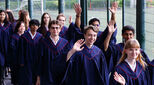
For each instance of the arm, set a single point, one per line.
(113, 10)
(78, 11)
(76, 47)
(111, 29)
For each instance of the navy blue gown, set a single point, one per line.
(151, 69)
(114, 53)
(29, 51)
(53, 61)
(87, 67)
(13, 57)
(138, 77)
(7, 32)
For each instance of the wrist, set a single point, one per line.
(78, 15)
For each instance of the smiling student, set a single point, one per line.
(29, 51)
(87, 63)
(131, 68)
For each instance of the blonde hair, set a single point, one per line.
(132, 43)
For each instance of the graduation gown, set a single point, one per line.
(13, 57)
(114, 53)
(29, 50)
(2, 50)
(137, 77)
(151, 69)
(87, 67)
(6, 32)
(53, 62)
(42, 30)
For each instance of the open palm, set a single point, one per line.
(119, 78)
(78, 44)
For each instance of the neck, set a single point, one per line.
(55, 38)
(131, 61)
(33, 32)
(20, 33)
(1, 22)
(89, 46)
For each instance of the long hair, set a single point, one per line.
(132, 43)
(6, 22)
(10, 17)
(23, 17)
(18, 26)
(42, 19)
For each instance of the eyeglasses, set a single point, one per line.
(54, 27)
(96, 25)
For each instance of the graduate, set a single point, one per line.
(29, 50)
(131, 68)
(13, 51)
(24, 16)
(96, 22)
(11, 19)
(87, 63)
(53, 56)
(43, 29)
(2, 53)
(62, 19)
(6, 32)
(113, 52)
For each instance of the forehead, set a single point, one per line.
(128, 32)
(90, 31)
(46, 15)
(61, 17)
(2, 13)
(95, 22)
(54, 25)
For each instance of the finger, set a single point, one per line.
(82, 48)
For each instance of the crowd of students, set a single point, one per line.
(53, 54)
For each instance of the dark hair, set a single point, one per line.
(42, 19)
(5, 20)
(18, 25)
(93, 20)
(95, 29)
(10, 17)
(128, 27)
(53, 22)
(34, 22)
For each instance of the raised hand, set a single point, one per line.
(111, 28)
(77, 9)
(114, 7)
(119, 78)
(78, 45)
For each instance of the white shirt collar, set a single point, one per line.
(55, 42)
(31, 34)
(131, 66)
(2, 24)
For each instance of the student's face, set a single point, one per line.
(96, 24)
(90, 37)
(61, 20)
(33, 27)
(21, 28)
(128, 35)
(46, 18)
(2, 16)
(132, 53)
(54, 30)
